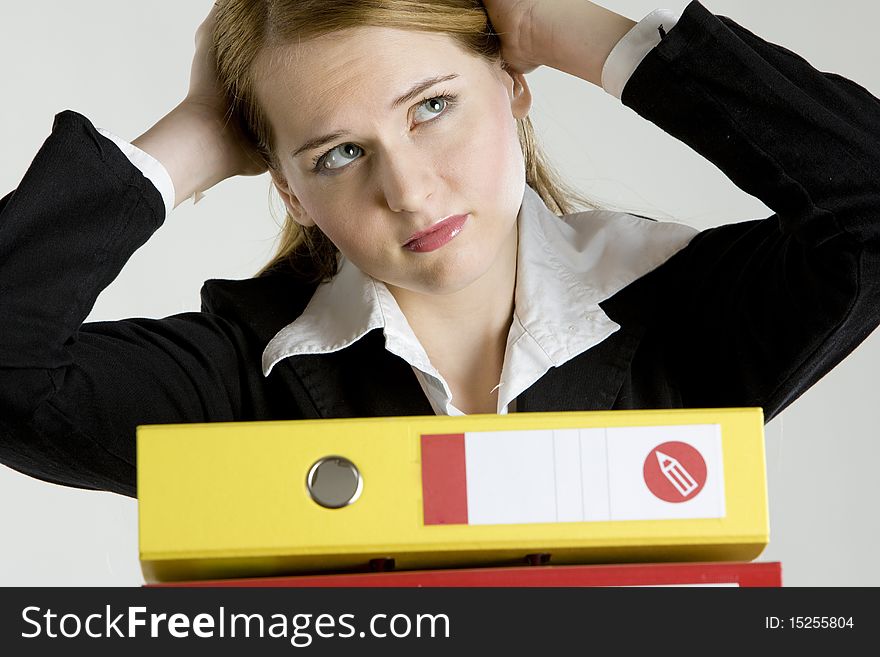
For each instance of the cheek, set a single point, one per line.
(496, 170)
(329, 209)
(350, 230)
(332, 214)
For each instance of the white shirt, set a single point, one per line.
(565, 267)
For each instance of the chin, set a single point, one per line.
(452, 275)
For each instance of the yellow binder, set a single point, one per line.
(228, 500)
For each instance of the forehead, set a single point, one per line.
(351, 72)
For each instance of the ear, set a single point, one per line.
(291, 202)
(518, 91)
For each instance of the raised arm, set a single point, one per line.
(195, 142)
(753, 313)
(71, 394)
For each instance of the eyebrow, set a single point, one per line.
(413, 91)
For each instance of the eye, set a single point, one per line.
(435, 105)
(335, 157)
(340, 156)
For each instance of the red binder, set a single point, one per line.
(751, 574)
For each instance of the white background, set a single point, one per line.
(124, 64)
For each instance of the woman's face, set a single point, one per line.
(394, 169)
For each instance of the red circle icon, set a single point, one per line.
(675, 471)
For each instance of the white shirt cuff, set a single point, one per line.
(629, 52)
(152, 169)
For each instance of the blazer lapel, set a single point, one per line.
(362, 380)
(590, 381)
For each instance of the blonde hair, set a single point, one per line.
(245, 28)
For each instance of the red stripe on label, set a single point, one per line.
(444, 480)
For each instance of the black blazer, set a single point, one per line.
(749, 314)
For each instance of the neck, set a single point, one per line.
(465, 333)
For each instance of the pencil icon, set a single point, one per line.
(676, 474)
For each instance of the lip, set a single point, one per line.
(437, 235)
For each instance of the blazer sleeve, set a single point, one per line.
(759, 311)
(72, 394)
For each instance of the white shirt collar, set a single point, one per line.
(565, 267)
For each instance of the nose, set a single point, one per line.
(407, 179)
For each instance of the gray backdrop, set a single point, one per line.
(124, 64)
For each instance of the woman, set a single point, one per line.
(652, 317)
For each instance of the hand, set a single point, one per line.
(516, 24)
(195, 142)
(206, 97)
(574, 36)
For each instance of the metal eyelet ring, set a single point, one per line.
(334, 482)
